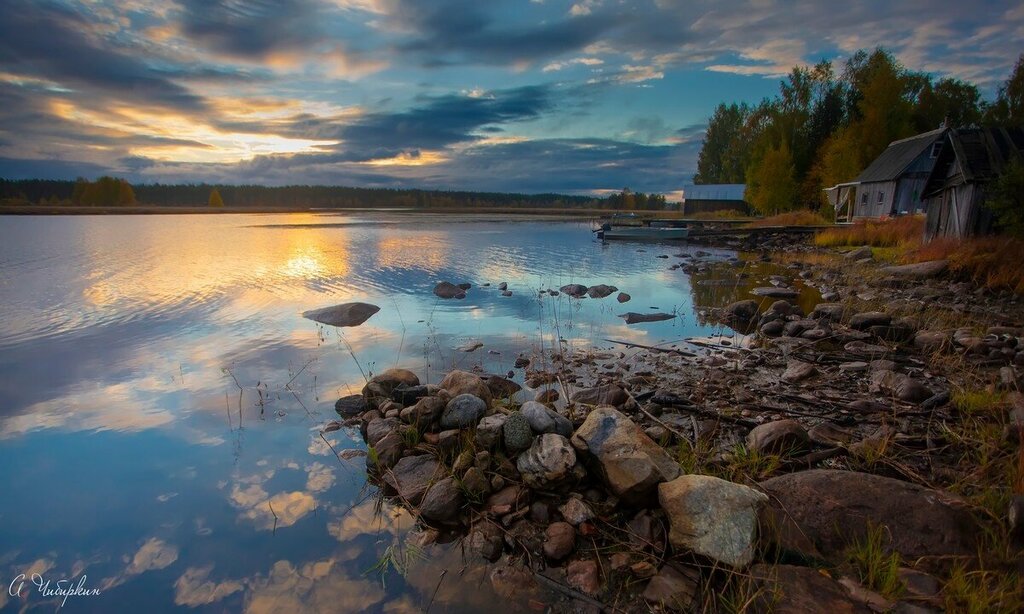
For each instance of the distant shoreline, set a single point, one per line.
(165, 210)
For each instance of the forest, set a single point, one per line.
(108, 191)
(825, 126)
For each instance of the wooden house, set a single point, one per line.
(954, 194)
(711, 198)
(893, 183)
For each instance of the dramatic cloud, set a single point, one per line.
(579, 96)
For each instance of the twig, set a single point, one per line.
(663, 425)
(573, 593)
(652, 348)
(434, 594)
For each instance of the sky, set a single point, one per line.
(567, 96)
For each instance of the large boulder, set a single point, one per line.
(549, 463)
(834, 508)
(463, 411)
(628, 461)
(543, 419)
(346, 314)
(463, 382)
(442, 501)
(380, 386)
(712, 517)
(411, 477)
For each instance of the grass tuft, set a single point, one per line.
(877, 568)
(792, 218)
(983, 592)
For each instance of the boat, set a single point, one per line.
(629, 226)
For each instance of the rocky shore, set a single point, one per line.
(863, 455)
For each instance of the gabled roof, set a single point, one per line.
(898, 156)
(717, 191)
(981, 154)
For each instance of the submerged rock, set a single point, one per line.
(712, 517)
(574, 290)
(629, 462)
(633, 318)
(623, 297)
(448, 290)
(600, 291)
(346, 314)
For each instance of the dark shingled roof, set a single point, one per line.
(983, 153)
(898, 156)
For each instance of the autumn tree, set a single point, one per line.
(215, 199)
(771, 183)
(1008, 107)
(1006, 197)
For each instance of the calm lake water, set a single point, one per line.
(132, 459)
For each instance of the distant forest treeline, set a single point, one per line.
(50, 192)
(824, 128)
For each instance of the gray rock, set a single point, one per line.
(860, 253)
(346, 314)
(548, 463)
(634, 318)
(411, 476)
(920, 270)
(542, 419)
(834, 312)
(932, 341)
(712, 517)
(559, 540)
(407, 395)
(476, 484)
(387, 452)
(378, 428)
(463, 411)
(783, 437)
(517, 432)
(503, 286)
(424, 412)
(448, 290)
(488, 431)
(351, 405)
(774, 292)
(628, 461)
(442, 501)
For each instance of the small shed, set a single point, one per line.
(894, 182)
(954, 195)
(711, 198)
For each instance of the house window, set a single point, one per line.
(864, 199)
(936, 148)
(881, 197)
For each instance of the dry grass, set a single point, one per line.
(992, 262)
(906, 232)
(792, 218)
